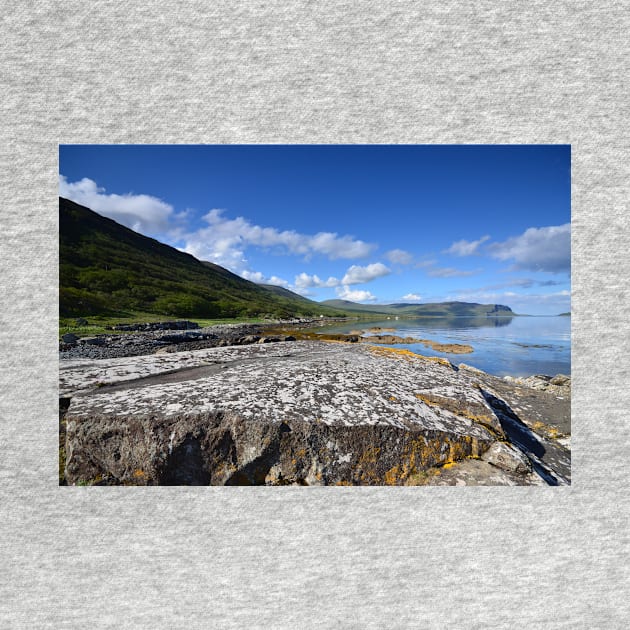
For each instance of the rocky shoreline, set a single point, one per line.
(149, 339)
(179, 336)
(238, 405)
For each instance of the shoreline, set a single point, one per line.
(240, 364)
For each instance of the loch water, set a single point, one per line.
(515, 346)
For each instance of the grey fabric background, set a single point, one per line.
(306, 72)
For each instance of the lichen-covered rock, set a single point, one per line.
(559, 384)
(507, 458)
(301, 413)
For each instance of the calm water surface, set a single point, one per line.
(515, 346)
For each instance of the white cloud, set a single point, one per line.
(538, 249)
(281, 282)
(466, 248)
(259, 278)
(399, 257)
(413, 297)
(345, 293)
(359, 275)
(450, 272)
(224, 241)
(142, 213)
(253, 276)
(304, 281)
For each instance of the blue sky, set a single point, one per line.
(371, 224)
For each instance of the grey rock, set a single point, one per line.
(247, 339)
(307, 412)
(561, 380)
(508, 458)
(69, 338)
(93, 341)
(301, 413)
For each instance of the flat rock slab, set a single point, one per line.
(301, 413)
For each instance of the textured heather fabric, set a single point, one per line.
(306, 72)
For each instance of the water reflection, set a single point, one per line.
(518, 346)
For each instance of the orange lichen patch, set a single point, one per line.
(333, 340)
(393, 398)
(452, 348)
(343, 482)
(423, 457)
(400, 352)
(448, 404)
(138, 472)
(367, 466)
(393, 476)
(407, 354)
(449, 465)
(546, 430)
(453, 406)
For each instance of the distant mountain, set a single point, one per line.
(439, 309)
(106, 268)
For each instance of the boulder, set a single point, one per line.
(308, 412)
(247, 339)
(561, 380)
(69, 338)
(304, 413)
(93, 341)
(508, 458)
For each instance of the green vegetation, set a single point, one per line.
(99, 324)
(113, 273)
(443, 309)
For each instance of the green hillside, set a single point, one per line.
(282, 292)
(442, 309)
(108, 269)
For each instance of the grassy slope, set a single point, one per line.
(107, 269)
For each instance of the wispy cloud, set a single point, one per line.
(466, 248)
(521, 283)
(450, 272)
(399, 257)
(537, 249)
(360, 275)
(411, 297)
(225, 240)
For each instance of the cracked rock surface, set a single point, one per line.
(300, 413)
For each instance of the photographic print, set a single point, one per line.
(310, 315)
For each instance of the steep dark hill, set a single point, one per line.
(107, 268)
(282, 292)
(441, 309)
